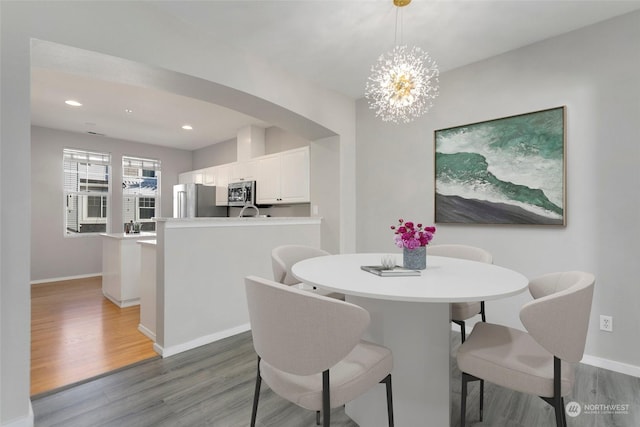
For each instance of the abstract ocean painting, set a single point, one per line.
(504, 171)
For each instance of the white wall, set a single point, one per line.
(139, 32)
(594, 72)
(325, 161)
(55, 256)
(200, 287)
(275, 141)
(215, 154)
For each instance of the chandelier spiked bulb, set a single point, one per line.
(403, 82)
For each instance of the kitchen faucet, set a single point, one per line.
(249, 206)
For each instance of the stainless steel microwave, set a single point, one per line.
(242, 193)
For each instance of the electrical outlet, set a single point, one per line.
(606, 323)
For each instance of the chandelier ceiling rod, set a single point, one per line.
(399, 4)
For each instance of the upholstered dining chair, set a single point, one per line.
(461, 311)
(541, 360)
(285, 256)
(310, 350)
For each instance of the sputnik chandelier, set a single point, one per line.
(403, 82)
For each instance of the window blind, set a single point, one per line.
(138, 163)
(88, 157)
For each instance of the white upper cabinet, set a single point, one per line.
(222, 173)
(244, 171)
(268, 183)
(209, 176)
(191, 177)
(294, 181)
(281, 178)
(284, 177)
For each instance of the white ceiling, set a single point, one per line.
(332, 43)
(156, 118)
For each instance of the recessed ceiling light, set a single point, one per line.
(73, 103)
(187, 127)
(128, 110)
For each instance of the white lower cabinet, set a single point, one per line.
(121, 267)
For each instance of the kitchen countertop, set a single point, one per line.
(148, 242)
(236, 221)
(131, 236)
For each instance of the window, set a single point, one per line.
(140, 195)
(96, 207)
(86, 191)
(147, 207)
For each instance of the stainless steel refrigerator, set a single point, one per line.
(196, 200)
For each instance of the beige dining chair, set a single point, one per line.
(285, 256)
(310, 350)
(461, 311)
(541, 360)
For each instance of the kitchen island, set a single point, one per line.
(121, 267)
(201, 264)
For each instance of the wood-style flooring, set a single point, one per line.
(76, 334)
(213, 386)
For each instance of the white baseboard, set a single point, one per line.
(173, 350)
(61, 279)
(122, 304)
(27, 421)
(147, 332)
(611, 365)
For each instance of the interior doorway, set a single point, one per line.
(78, 334)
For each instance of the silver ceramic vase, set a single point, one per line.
(415, 259)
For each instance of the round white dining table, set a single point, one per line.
(411, 316)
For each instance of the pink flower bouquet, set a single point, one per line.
(409, 235)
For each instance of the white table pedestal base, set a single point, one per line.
(418, 334)
(410, 315)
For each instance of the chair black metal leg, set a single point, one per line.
(463, 333)
(557, 392)
(484, 318)
(256, 396)
(481, 399)
(463, 400)
(466, 378)
(326, 399)
(559, 409)
(387, 381)
(557, 401)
